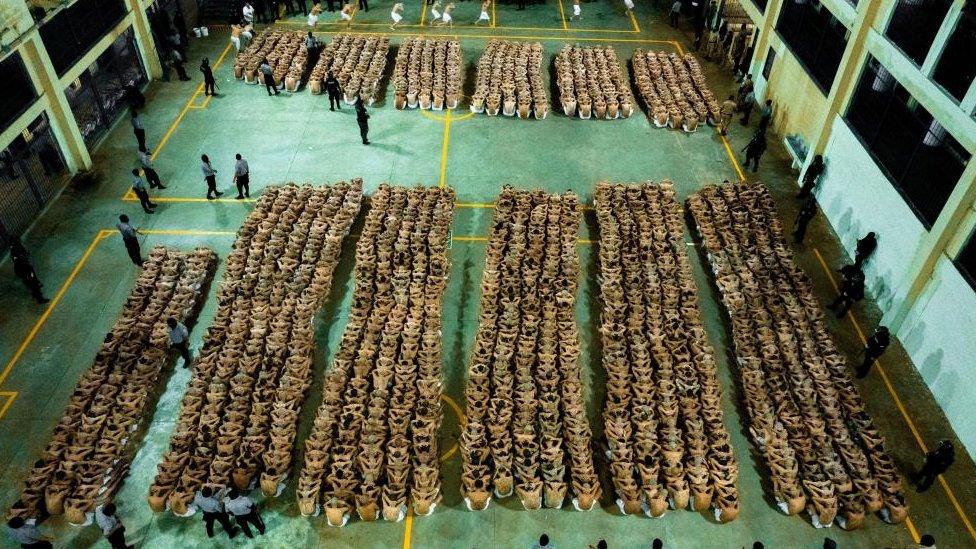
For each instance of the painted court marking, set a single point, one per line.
(904, 413)
(36, 328)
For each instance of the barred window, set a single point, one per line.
(918, 155)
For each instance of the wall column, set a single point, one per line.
(943, 238)
(62, 119)
(765, 28)
(848, 71)
(144, 40)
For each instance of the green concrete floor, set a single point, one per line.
(296, 138)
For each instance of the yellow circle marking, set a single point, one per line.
(461, 420)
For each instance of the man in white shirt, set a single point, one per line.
(138, 129)
(139, 188)
(179, 339)
(212, 508)
(111, 526)
(27, 534)
(242, 173)
(147, 168)
(248, 11)
(130, 237)
(244, 511)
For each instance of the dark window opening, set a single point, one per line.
(18, 90)
(966, 261)
(915, 152)
(957, 65)
(76, 29)
(914, 25)
(815, 37)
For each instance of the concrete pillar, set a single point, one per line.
(63, 123)
(144, 40)
(765, 28)
(941, 37)
(851, 65)
(943, 238)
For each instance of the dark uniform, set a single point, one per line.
(25, 272)
(936, 462)
(876, 346)
(754, 150)
(208, 79)
(807, 211)
(362, 118)
(851, 291)
(334, 91)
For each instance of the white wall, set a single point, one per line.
(857, 198)
(938, 335)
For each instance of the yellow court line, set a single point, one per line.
(735, 161)
(562, 15)
(101, 235)
(407, 528)
(672, 43)
(447, 139)
(131, 197)
(11, 396)
(633, 20)
(570, 29)
(462, 421)
(423, 12)
(901, 408)
(189, 104)
(474, 204)
(181, 232)
(54, 302)
(493, 18)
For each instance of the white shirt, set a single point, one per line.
(126, 229)
(241, 505)
(207, 169)
(145, 160)
(241, 168)
(178, 334)
(207, 505)
(25, 535)
(106, 523)
(248, 12)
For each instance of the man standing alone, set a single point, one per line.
(242, 173)
(111, 526)
(362, 118)
(25, 271)
(268, 75)
(334, 91)
(675, 11)
(179, 339)
(937, 462)
(726, 112)
(139, 187)
(130, 237)
(139, 130)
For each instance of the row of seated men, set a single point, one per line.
(373, 447)
(239, 415)
(806, 415)
(86, 459)
(526, 429)
(666, 438)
